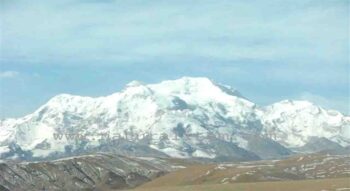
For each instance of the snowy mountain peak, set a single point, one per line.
(134, 83)
(296, 104)
(292, 106)
(199, 88)
(193, 80)
(176, 108)
(67, 102)
(185, 85)
(67, 98)
(294, 123)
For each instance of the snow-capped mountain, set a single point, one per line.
(188, 117)
(292, 123)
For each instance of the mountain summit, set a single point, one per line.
(185, 118)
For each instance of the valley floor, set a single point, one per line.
(336, 184)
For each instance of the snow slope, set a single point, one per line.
(292, 123)
(199, 118)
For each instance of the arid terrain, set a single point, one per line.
(309, 172)
(116, 172)
(338, 184)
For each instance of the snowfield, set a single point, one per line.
(178, 108)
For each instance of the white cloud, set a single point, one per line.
(8, 74)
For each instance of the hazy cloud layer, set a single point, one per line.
(269, 49)
(8, 74)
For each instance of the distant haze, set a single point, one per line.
(269, 51)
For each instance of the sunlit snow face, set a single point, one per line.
(196, 111)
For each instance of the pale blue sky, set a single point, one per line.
(268, 50)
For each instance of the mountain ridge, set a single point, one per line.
(175, 107)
